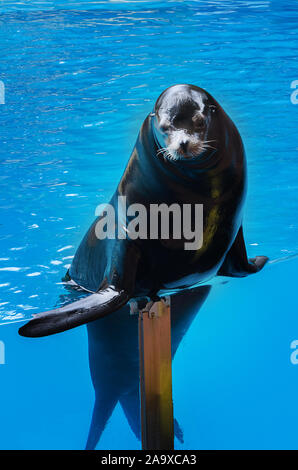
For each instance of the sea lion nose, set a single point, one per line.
(184, 146)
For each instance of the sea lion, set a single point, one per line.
(188, 152)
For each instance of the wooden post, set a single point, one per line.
(156, 378)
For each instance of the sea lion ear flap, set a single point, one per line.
(212, 108)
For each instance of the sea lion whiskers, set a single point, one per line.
(205, 145)
(165, 152)
(161, 150)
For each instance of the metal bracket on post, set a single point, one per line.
(156, 376)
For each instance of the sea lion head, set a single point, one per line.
(182, 122)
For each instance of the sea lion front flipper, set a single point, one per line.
(83, 311)
(113, 294)
(236, 263)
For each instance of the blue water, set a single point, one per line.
(79, 78)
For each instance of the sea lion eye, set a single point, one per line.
(212, 108)
(164, 126)
(198, 121)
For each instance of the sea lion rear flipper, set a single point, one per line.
(103, 409)
(114, 293)
(236, 263)
(178, 431)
